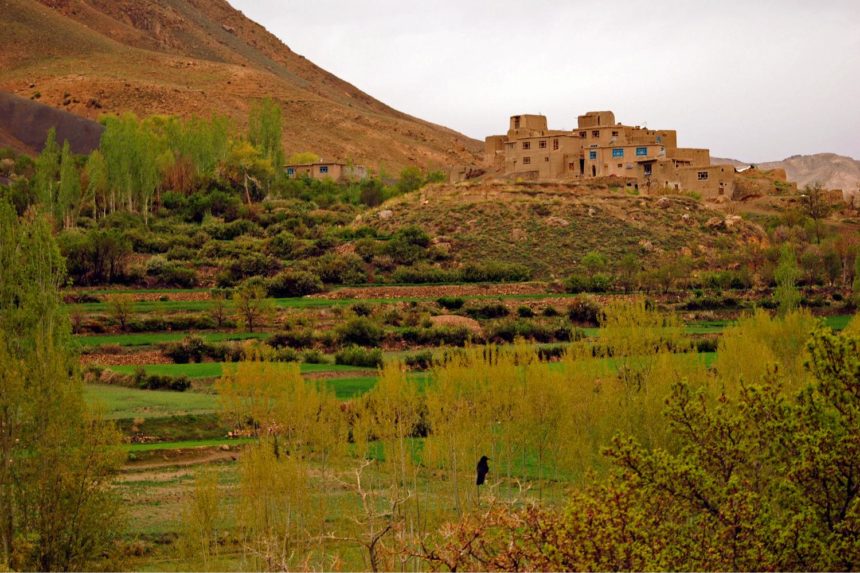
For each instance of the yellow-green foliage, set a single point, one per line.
(199, 522)
(760, 343)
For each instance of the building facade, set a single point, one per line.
(326, 170)
(601, 147)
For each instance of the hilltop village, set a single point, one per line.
(601, 147)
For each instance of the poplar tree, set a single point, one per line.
(56, 455)
(264, 131)
(786, 275)
(69, 200)
(48, 172)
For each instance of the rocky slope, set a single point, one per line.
(186, 57)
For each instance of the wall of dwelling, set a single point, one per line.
(619, 160)
(595, 119)
(527, 125)
(711, 181)
(321, 171)
(692, 155)
(547, 155)
(494, 150)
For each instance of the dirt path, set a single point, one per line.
(183, 458)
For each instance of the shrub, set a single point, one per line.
(423, 274)
(487, 311)
(292, 339)
(408, 245)
(146, 381)
(576, 284)
(313, 357)
(169, 274)
(362, 309)
(420, 361)
(341, 269)
(360, 331)
(550, 311)
(292, 283)
(525, 312)
(600, 282)
(451, 302)
(584, 311)
(189, 349)
(495, 272)
(357, 356)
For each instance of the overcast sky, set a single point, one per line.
(754, 80)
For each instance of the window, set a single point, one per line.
(527, 144)
(546, 158)
(517, 122)
(555, 144)
(583, 134)
(659, 139)
(595, 133)
(617, 152)
(647, 167)
(620, 165)
(291, 171)
(323, 168)
(527, 160)
(640, 151)
(614, 134)
(703, 175)
(592, 155)
(542, 144)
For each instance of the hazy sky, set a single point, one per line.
(755, 80)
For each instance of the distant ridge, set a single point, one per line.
(24, 125)
(831, 170)
(195, 57)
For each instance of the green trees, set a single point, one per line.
(69, 198)
(786, 275)
(48, 172)
(264, 132)
(130, 152)
(55, 455)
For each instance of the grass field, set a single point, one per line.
(215, 369)
(152, 338)
(120, 402)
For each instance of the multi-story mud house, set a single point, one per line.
(600, 147)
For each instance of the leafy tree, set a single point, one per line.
(786, 275)
(130, 151)
(815, 206)
(56, 456)
(303, 158)
(252, 305)
(69, 199)
(594, 263)
(264, 132)
(411, 179)
(48, 172)
(121, 308)
(98, 184)
(246, 166)
(857, 278)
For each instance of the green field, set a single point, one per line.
(120, 402)
(153, 338)
(215, 369)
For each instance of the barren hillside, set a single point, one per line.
(186, 57)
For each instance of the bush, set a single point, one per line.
(169, 274)
(423, 274)
(408, 245)
(525, 312)
(444, 336)
(357, 356)
(584, 311)
(313, 357)
(146, 381)
(341, 269)
(360, 331)
(451, 302)
(420, 361)
(95, 257)
(292, 339)
(600, 283)
(495, 272)
(189, 349)
(576, 284)
(550, 311)
(362, 309)
(488, 311)
(293, 283)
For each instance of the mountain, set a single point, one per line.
(831, 170)
(24, 125)
(186, 57)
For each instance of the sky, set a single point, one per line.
(752, 80)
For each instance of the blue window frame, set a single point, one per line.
(323, 168)
(592, 155)
(291, 171)
(618, 152)
(641, 151)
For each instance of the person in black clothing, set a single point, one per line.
(483, 469)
